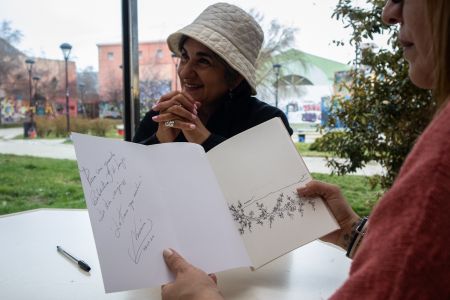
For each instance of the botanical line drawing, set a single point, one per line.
(285, 205)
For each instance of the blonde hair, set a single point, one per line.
(439, 16)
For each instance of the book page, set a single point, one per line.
(143, 199)
(259, 172)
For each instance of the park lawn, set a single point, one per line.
(304, 150)
(30, 182)
(356, 189)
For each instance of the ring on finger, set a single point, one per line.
(170, 123)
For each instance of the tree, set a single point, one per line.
(9, 55)
(113, 94)
(87, 88)
(277, 38)
(88, 78)
(10, 74)
(386, 112)
(12, 36)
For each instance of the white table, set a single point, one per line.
(31, 268)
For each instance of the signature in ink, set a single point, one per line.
(141, 239)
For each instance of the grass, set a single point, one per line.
(29, 182)
(303, 149)
(356, 189)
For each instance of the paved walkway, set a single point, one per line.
(10, 133)
(55, 148)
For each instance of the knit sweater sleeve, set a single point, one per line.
(406, 251)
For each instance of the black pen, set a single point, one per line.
(84, 266)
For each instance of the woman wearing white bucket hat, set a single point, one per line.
(217, 54)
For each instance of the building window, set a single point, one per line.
(110, 55)
(159, 53)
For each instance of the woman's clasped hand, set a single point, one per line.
(178, 111)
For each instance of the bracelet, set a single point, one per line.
(358, 240)
(357, 236)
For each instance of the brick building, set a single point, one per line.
(157, 70)
(52, 83)
(48, 90)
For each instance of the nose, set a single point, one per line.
(186, 70)
(392, 12)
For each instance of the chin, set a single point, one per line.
(420, 78)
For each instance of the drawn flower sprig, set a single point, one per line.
(285, 205)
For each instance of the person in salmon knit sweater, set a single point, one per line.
(403, 250)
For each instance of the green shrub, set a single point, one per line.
(322, 143)
(100, 127)
(60, 125)
(44, 127)
(80, 125)
(57, 127)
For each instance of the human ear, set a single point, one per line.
(236, 82)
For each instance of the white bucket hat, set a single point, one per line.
(228, 31)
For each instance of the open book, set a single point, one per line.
(235, 206)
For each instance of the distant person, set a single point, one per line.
(404, 250)
(29, 125)
(217, 53)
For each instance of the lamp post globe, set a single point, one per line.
(65, 48)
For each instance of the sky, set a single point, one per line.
(46, 24)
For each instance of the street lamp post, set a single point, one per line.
(276, 68)
(35, 79)
(30, 63)
(65, 47)
(175, 62)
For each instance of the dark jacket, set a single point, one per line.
(235, 115)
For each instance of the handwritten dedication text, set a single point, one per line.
(114, 197)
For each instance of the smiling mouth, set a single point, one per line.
(192, 86)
